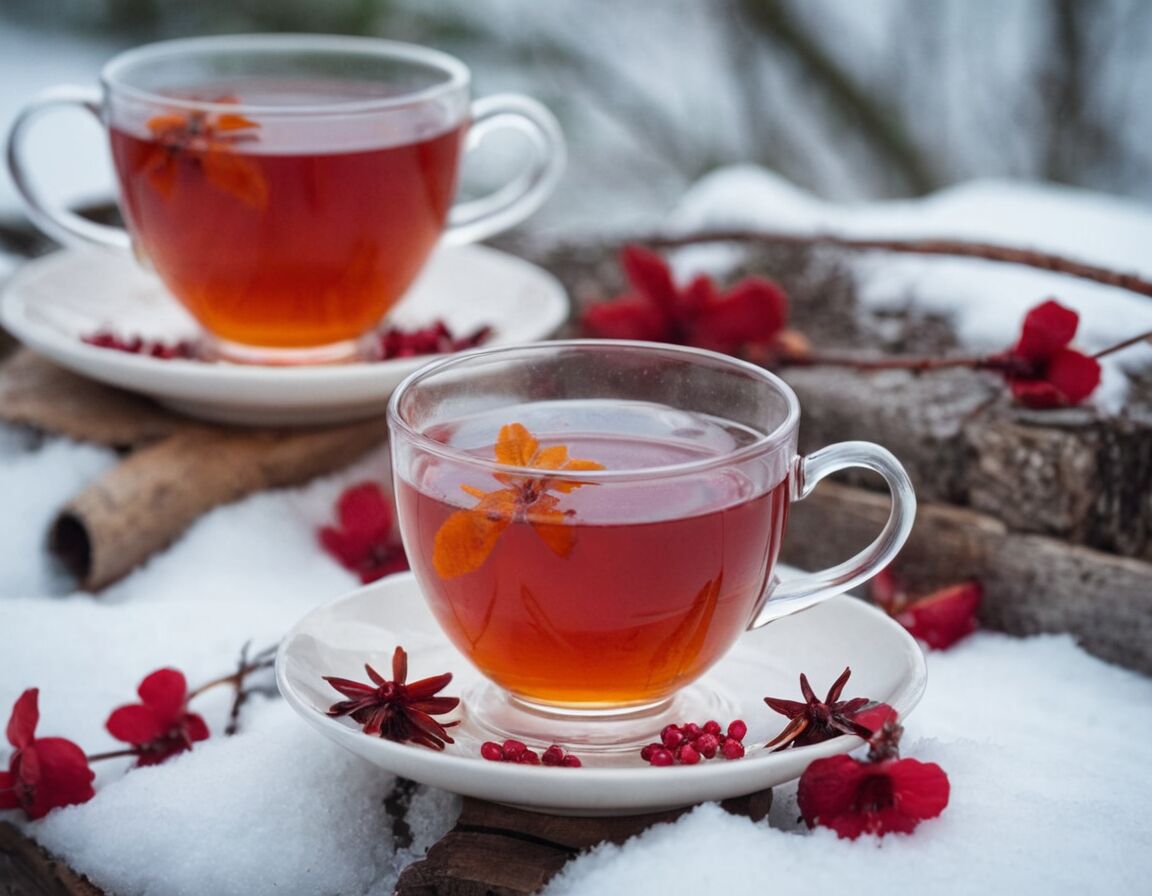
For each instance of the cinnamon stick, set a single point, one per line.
(140, 506)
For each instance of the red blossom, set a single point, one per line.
(364, 542)
(752, 312)
(854, 797)
(397, 710)
(940, 618)
(1041, 369)
(43, 772)
(160, 726)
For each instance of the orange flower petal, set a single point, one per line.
(554, 530)
(551, 458)
(464, 542)
(233, 122)
(169, 121)
(235, 175)
(515, 446)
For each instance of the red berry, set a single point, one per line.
(707, 744)
(528, 757)
(671, 737)
(571, 761)
(737, 729)
(661, 756)
(491, 751)
(732, 748)
(687, 754)
(646, 753)
(553, 755)
(711, 727)
(513, 749)
(691, 730)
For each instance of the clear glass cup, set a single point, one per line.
(595, 523)
(288, 188)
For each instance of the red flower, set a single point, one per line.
(363, 542)
(939, 619)
(160, 726)
(751, 312)
(1041, 369)
(397, 710)
(854, 797)
(44, 772)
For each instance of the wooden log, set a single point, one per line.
(27, 870)
(503, 851)
(1032, 583)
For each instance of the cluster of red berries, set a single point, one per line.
(515, 751)
(689, 743)
(135, 345)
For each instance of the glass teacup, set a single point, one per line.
(288, 188)
(595, 523)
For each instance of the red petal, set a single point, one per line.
(943, 617)
(195, 727)
(65, 778)
(752, 311)
(1037, 394)
(874, 717)
(25, 716)
(827, 789)
(348, 549)
(626, 318)
(8, 797)
(135, 724)
(164, 691)
(1075, 375)
(651, 277)
(400, 666)
(886, 591)
(1047, 328)
(920, 789)
(366, 511)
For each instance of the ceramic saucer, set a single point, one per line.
(52, 302)
(367, 625)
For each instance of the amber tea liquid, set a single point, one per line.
(286, 234)
(653, 581)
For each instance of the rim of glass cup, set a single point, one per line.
(457, 75)
(768, 441)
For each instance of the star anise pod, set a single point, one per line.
(395, 709)
(814, 720)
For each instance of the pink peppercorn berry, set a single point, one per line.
(517, 752)
(688, 744)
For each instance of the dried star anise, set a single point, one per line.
(814, 720)
(395, 709)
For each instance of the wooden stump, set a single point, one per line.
(499, 851)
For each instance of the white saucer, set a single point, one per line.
(52, 302)
(368, 624)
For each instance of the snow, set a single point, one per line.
(986, 300)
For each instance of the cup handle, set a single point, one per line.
(807, 590)
(58, 222)
(512, 203)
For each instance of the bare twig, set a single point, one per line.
(1044, 261)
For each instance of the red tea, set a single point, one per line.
(284, 233)
(592, 595)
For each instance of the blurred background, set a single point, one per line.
(851, 99)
